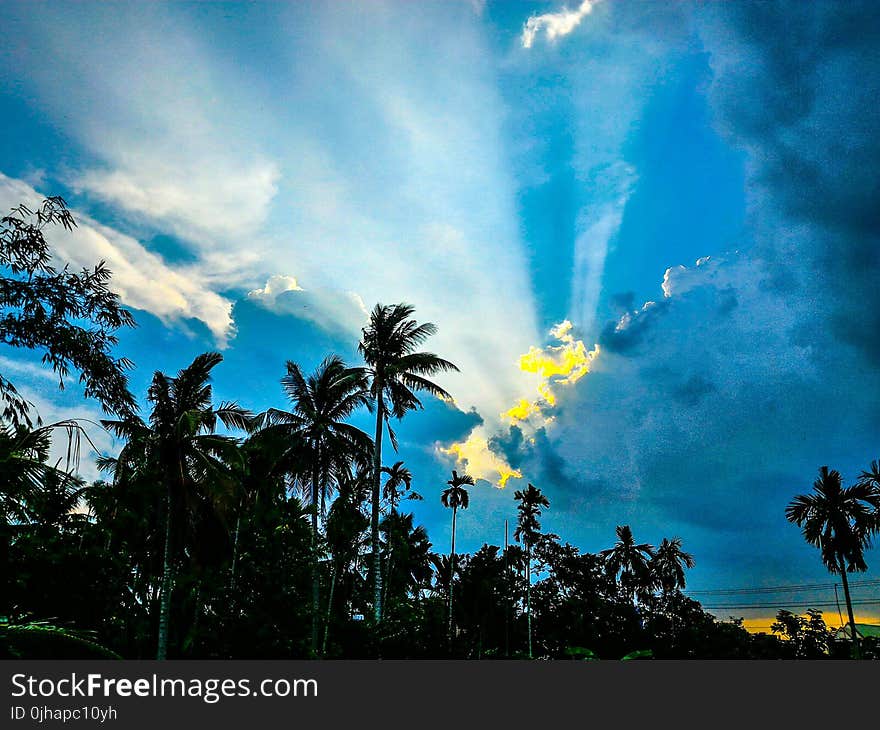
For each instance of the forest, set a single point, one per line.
(217, 532)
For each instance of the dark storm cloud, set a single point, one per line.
(706, 412)
(692, 390)
(796, 84)
(536, 456)
(633, 329)
(437, 422)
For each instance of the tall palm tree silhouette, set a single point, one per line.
(629, 561)
(318, 432)
(453, 497)
(528, 531)
(839, 521)
(396, 371)
(179, 446)
(668, 564)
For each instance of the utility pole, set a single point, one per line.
(507, 597)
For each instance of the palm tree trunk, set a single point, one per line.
(856, 653)
(316, 599)
(451, 572)
(329, 610)
(165, 601)
(374, 533)
(235, 547)
(529, 597)
(387, 581)
(197, 615)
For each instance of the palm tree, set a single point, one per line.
(266, 460)
(528, 531)
(411, 549)
(396, 371)
(668, 564)
(455, 496)
(29, 484)
(629, 561)
(178, 446)
(346, 526)
(319, 434)
(398, 476)
(24, 468)
(839, 521)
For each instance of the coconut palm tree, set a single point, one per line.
(178, 446)
(29, 484)
(453, 497)
(840, 522)
(24, 468)
(346, 528)
(322, 438)
(629, 562)
(668, 564)
(396, 372)
(411, 551)
(528, 532)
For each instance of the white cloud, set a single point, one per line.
(598, 226)
(556, 25)
(275, 285)
(369, 179)
(50, 410)
(330, 309)
(168, 133)
(28, 370)
(141, 278)
(221, 201)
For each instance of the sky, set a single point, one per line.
(647, 232)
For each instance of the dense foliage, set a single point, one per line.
(219, 533)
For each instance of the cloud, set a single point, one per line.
(554, 365)
(227, 200)
(479, 460)
(28, 369)
(69, 406)
(598, 225)
(141, 278)
(482, 453)
(556, 25)
(386, 181)
(169, 146)
(795, 102)
(332, 310)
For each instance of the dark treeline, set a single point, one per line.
(221, 533)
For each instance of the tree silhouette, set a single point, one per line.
(629, 561)
(322, 438)
(70, 317)
(839, 521)
(668, 564)
(528, 531)
(396, 371)
(179, 446)
(399, 482)
(453, 497)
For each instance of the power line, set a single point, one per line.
(779, 589)
(805, 604)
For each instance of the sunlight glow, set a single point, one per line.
(475, 456)
(562, 364)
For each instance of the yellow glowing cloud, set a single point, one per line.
(562, 364)
(555, 365)
(475, 456)
(522, 410)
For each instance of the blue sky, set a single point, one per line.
(689, 189)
